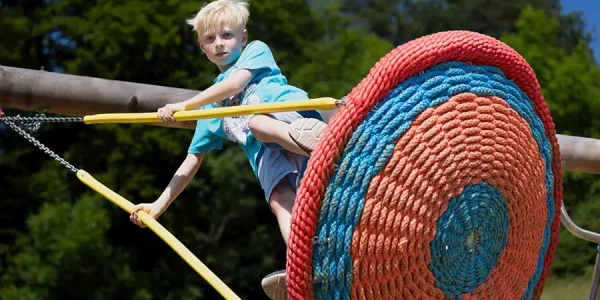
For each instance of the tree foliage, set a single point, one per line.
(570, 82)
(59, 240)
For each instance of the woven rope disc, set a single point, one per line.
(440, 178)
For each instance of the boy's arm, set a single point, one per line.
(221, 90)
(217, 92)
(180, 180)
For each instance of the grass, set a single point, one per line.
(577, 288)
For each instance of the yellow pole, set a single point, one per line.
(192, 260)
(220, 112)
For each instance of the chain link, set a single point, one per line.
(33, 123)
(28, 137)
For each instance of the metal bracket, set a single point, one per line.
(576, 230)
(588, 236)
(342, 101)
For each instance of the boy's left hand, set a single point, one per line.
(166, 113)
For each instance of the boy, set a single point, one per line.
(248, 76)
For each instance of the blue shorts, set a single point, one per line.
(276, 163)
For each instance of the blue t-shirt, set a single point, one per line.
(267, 85)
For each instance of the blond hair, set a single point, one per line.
(232, 13)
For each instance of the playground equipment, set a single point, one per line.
(438, 177)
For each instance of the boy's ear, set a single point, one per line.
(201, 46)
(244, 38)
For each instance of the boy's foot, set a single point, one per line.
(307, 133)
(275, 286)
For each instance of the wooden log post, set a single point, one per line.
(73, 95)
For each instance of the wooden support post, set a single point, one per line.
(72, 95)
(80, 95)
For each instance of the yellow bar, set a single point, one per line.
(192, 260)
(220, 112)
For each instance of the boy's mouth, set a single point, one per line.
(221, 54)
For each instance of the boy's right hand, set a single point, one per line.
(152, 209)
(166, 113)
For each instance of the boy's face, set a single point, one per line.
(223, 45)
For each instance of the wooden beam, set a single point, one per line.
(73, 95)
(580, 154)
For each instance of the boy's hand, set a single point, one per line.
(166, 113)
(152, 209)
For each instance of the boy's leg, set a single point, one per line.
(299, 137)
(278, 170)
(281, 203)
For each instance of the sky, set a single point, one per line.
(588, 7)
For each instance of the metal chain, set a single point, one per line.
(33, 123)
(28, 137)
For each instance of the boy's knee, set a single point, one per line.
(258, 128)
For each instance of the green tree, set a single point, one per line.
(221, 217)
(404, 20)
(60, 240)
(341, 58)
(570, 83)
(63, 256)
(21, 45)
